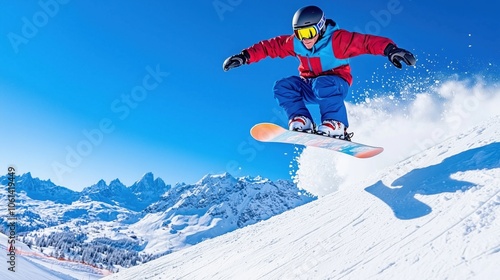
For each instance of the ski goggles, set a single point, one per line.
(309, 32)
(306, 32)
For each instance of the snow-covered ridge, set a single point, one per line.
(135, 197)
(131, 225)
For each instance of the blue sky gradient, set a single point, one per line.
(95, 90)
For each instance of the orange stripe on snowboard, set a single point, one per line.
(266, 131)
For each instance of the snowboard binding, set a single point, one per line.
(347, 135)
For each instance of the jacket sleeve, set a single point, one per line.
(347, 44)
(281, 46)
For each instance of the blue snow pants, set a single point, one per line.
(329, 92)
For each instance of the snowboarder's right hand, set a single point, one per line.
(236, 60)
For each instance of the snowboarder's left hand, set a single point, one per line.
(396, 55)
(236, 60)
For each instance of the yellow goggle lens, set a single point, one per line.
(305, 33)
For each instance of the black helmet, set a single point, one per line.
(309, 16)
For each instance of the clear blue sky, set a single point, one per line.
(115, 89)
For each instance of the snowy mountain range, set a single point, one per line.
(132, 225)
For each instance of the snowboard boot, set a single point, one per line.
(335, 129)
(301, 124)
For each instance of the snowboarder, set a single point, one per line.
(323, 50)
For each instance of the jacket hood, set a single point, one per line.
(331, 27)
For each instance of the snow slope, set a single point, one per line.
(432, 216)
(30, 265)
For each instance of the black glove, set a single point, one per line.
(236, 60)
(396, 55)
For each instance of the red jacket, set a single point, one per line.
(345, 44)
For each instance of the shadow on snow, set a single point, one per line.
(434, 179)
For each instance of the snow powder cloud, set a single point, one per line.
(404, 124)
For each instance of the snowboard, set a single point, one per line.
(269, 132)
